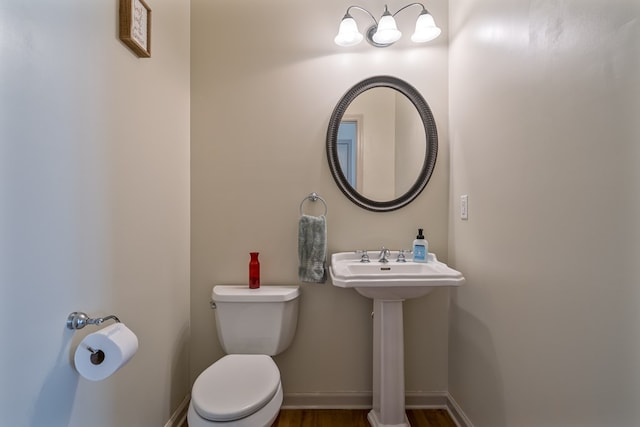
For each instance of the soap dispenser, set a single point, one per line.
(420, 248)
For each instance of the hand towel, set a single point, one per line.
(312, 248)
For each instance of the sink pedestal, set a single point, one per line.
(388, 365)
(388, 285)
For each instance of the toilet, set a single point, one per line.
(243, 389)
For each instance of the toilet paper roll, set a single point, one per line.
(102, 353)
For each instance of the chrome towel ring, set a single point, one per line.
(314, 198)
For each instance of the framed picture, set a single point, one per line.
(135, 26)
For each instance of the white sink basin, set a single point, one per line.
(391, 280)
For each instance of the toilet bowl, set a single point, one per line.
(238, 390)
(243, 388)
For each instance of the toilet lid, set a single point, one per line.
(235, 387)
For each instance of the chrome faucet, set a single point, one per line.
(402, 257)
(364, 256)
(384, 255)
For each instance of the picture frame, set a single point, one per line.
(135, 26)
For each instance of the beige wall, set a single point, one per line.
(94, 210)
(265, 79)
(94, 196)
(544, 101)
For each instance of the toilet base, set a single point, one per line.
(262, 418)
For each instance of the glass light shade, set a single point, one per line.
(387, 32)
(348, 34)
(426, 29)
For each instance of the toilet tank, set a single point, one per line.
(255, 321)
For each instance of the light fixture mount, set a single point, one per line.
(384, 32)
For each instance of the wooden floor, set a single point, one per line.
(355, 418)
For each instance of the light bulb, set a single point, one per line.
(426, 29)
(348, 34)
(387, 32)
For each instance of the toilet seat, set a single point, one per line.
(235, 387)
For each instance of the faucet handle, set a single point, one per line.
(364, 257)
(401, 255)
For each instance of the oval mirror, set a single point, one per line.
(382, 143)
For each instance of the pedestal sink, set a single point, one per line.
(389, 284)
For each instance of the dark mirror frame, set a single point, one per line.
(431, 151)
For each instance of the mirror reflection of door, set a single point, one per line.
(347, 150)
(349, 146)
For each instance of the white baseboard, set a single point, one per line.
(351, 400)
(456, 412)
(180, 415)
(425, 399)
(362, 400)
(358, 400)
(328, 400)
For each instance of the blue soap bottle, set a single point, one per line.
(420, 248)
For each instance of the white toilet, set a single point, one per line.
(243, 388)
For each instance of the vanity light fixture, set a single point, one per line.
(385, 32)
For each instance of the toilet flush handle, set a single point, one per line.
(212, 304)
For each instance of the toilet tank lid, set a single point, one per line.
(242, 293)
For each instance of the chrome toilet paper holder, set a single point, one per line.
(78, 320)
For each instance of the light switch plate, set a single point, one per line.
(464, 206)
